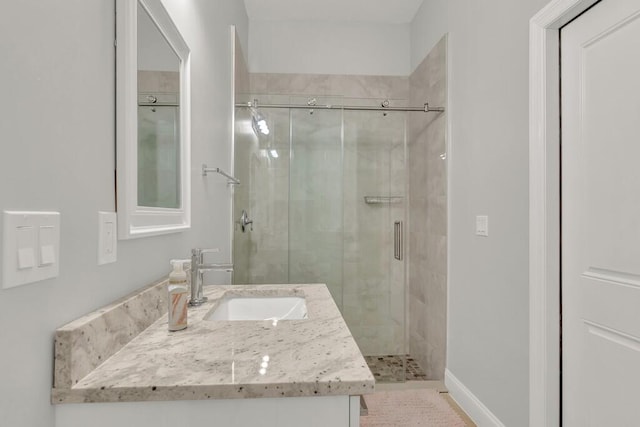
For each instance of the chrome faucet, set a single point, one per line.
(198, 268)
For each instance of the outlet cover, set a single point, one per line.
(482, 225)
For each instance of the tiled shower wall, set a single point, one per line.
(428, 215)
(330, 85)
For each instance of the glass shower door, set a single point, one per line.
(326, 192)
(374, 219)
(159, 156)
(260, 252)
(316, 198)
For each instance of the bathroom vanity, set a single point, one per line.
(120, 366)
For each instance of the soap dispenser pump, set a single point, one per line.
(178, 296)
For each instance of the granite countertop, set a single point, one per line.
(223, 359)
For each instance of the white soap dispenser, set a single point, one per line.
(178, 296)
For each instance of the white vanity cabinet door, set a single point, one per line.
(318, 411)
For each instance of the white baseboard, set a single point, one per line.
(480, 414)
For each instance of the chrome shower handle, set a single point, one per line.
(244, 221)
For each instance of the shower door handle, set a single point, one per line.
(397, 240)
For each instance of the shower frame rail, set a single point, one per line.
(425, 109)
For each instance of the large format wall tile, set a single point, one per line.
(428, 215)
(347, 86)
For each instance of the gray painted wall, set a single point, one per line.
(488, 283)
(322, 47)
(57, 153)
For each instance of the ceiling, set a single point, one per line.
(381, 11)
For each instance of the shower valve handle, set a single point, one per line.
(244, 221)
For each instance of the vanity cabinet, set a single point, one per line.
(114, 367)
(321, 411)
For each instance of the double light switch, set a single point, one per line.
(31, 246)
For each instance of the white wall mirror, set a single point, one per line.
(152, 121)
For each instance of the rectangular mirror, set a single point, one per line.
(152, 100)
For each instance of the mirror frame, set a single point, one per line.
(137, 221)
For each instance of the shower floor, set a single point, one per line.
(389, 369)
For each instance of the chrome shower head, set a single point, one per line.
(258, 121)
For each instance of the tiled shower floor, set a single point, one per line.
(389, 369)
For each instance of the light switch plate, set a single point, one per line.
(30, 247)
(482, 225)
(25, 246)
(107, 238)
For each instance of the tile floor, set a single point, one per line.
(388, 372)
(390, 369)
(438, 385)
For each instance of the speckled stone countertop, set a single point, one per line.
(225, 359)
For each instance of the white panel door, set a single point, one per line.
(601, 216)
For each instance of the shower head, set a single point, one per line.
(258, 122)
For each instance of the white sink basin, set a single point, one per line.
(260, 308)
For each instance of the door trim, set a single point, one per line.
(544, 208)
